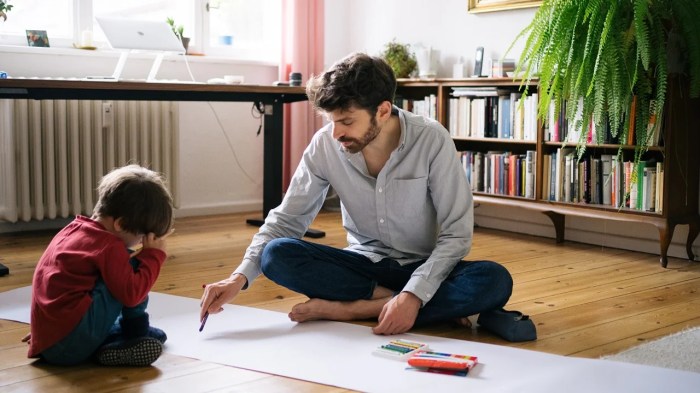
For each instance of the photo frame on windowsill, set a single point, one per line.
(37, 38)
(476, 6)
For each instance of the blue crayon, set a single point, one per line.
(397, 348)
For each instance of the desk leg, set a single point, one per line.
(272, 164)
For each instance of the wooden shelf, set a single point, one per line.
(679, 154)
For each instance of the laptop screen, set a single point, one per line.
(139, 34)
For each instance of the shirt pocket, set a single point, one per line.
(409, 198)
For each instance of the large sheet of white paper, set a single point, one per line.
(340, 354)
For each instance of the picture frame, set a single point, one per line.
(477, 6)
(37, 38)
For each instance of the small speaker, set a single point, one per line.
(478, 61)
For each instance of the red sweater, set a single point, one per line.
(66, 274)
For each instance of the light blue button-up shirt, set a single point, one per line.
(419, 207)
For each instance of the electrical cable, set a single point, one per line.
(256, 105)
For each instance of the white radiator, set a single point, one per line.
(53, 152)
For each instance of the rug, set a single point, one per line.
(680, 351)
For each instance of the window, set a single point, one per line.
(181, 11)
(56, 17)
(247, 28)
(241, 29)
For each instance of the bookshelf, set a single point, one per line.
(675, 203)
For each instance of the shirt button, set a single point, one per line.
(381, 221)
(428, 296)
(380, 189)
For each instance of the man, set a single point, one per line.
(406, 207)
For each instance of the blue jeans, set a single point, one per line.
(325, 272)
(94, 327)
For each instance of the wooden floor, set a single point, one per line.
(586, 300)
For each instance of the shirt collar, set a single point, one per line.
(402, 123)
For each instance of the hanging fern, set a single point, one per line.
(599, 55)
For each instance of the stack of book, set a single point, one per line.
(490, 112)
(502, 173)
(602, 180)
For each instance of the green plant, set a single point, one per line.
(596, 55)
(178, 30)
(400, 58)
(5, 7)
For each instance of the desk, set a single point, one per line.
(271, 97)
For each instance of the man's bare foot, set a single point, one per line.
(463, 322)
(317, 309)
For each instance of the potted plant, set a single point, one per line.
(400, 58)
(178, 31)
(599, 56)
(5, 7)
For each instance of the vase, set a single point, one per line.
(185, 42)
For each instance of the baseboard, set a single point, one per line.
(604, 233)
(223, 208)
(30, 226)
(190, 211)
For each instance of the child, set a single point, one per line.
(90, 292)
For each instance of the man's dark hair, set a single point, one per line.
(139, 197)
(358, 80)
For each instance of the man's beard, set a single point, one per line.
(357, 145)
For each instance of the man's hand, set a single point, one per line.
(398, 315)
(219, 293)
(27, 339)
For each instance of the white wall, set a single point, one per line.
(445, 25)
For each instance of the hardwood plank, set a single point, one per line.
(586, 300)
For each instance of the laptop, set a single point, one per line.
(139, 34)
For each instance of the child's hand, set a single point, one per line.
(151, 241)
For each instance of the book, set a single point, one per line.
(530, 168)
(560, 172)
(553, 176)
(479, 171)
(546, 165)
(586, 181)
(659, 186)
(593, 181)
(567, 186)
(606, 165)
(474, 91)
(640, 185)
(650, 188)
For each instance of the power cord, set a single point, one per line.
(258, 112)
(230, 145)
(258, 106)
